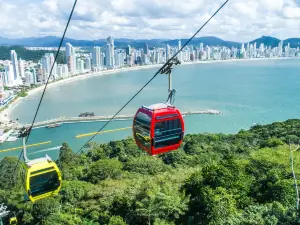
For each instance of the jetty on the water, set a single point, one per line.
(65, 119)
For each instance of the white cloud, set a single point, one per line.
(239, 20)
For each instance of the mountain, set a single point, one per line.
(294, 42)
(266, 40)
(271, 41)
(52, 41)
(209, 40)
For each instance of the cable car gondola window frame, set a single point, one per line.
(142, 128)
(42, 185)
(167, 136)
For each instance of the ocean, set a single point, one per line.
(246, 92)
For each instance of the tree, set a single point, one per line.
(103, 169)
(207, 205)
(175, 158)
(66, 156)
(160, 202)
(44, 208)
(10, 175)
(116, 220)
(272, 142)
(192, 147)
(74, 191)
(145, 165)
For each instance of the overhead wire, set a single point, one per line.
(158, 72)
(48, 79)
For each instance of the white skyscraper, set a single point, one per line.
(14, 61)
(21, 68)
(80, 65)
(208, 52)
(46, 65)
(168, 52)
(179, 54)
(96, 53)
(109, 53)
(248, 50)
(280, 46)
(51, 61)
(59, 71)
(201, 47)
(243, 48)
(71, 57)
(87, 63)
(146, 49)
(9, 76)
(65, 70)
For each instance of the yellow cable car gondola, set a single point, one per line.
(41, 176)
(13, 221)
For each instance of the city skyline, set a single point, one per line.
(19, 72)
(241, 20)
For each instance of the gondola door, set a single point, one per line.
(168, 132)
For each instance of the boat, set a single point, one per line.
(86, 114)
(53, 125)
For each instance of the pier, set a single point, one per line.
(65, 119)
(76, 119)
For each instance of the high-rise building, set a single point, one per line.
(10, 79)
(128, 50)
(102, 59)
(146, 49)
(180, 53)
(87, 63)
(168, 52)
(59, 71)
(65, 70)
(243, 48)
(96, 53)
(280, 46)
(201, 47)
(21, 68)
(109, 53)
(71, 57)
(79, 65)
(14, 61)
(208, 52)
(248, 50)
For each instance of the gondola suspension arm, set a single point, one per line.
(167, 69)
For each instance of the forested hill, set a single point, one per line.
(212, 179)
(28, 54)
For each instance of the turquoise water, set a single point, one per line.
(245, 92)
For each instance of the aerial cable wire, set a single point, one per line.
(48, 79)
(158, 72)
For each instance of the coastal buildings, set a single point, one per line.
(71, 57)
(109, 53)
(96, 58)
(79, 60)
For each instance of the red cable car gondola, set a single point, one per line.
(158, 128)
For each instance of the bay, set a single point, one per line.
(246, 92)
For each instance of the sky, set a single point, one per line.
(239, 20)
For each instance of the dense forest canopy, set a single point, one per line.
(28, 55)
(213, 179)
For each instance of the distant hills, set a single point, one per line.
(52, 41)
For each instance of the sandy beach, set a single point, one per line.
(5, 114)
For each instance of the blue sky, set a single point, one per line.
(240, 20)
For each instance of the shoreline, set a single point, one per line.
(67, 80)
